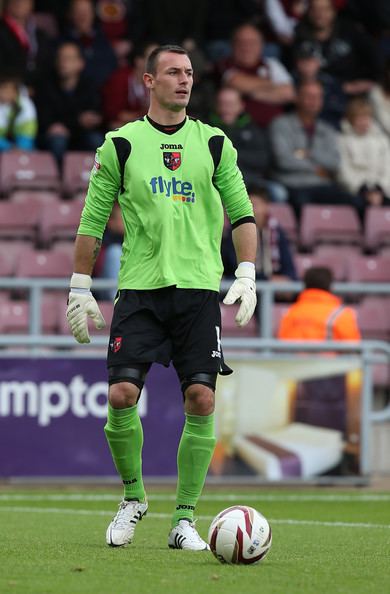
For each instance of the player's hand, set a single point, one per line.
(81, 304)
(243, 290)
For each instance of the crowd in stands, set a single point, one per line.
(302, 88)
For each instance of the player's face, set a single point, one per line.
(172, 83)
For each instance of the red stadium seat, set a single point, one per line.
(40, 197)
(17, 222)
(286, 218)
(329, 224)
(33, 170)
(44, 263)
(377, 227)
(229, 326)
(76, 171)
(332, 261)
(278, 311)
(369, 269)
(374, 318)
(60, 220)
(14, 317)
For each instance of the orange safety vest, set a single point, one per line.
(319, 315)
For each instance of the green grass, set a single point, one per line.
(324, 541)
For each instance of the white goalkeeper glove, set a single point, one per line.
(243, 290)
(81, 304)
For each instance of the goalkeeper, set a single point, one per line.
(171, 175)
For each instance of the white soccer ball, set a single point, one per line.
(240, 535)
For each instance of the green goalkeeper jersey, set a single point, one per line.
(171, 189)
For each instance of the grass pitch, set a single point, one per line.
(324, 542)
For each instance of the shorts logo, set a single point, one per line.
(172, 160)
(116, 344)
(217, 353)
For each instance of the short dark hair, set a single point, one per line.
(258, 190)
(318, 277)
(151, 62)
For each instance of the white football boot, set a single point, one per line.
(185, 536)
(121, 530)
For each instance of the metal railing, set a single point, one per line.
(266, 291)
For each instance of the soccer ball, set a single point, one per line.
(240, 535)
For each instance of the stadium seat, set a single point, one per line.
(7, 265)
(17, 222)
(329, 224)
(14, 317)
(60, 220)
(373, 315)
(286, 217)
(278, 311)
(44, 263)
(377, 227)
(76, 171)
(40, 197)
(32, 170)
(330, 260)
(373, 269)
(229, 326)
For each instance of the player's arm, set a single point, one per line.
(102, 191)
(228, 180)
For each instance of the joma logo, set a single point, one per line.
(170, 147)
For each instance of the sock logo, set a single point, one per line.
(131, 482)
(191, 507)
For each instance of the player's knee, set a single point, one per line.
(199, 399)
(123, 395)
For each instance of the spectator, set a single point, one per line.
(365, 155)
(346, 52)
(124, 95)
(114, 20)
(317, 313)
(24, 49)
(99, 57)
(306, 155)
(18, 119)
(68, 106)
(380, 99)
(283, 16)
(273, 260)
(222, 18)
(264, 82)
(307, 68)
(112, 247)
(249, 140)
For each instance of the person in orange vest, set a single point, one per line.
(318, 314)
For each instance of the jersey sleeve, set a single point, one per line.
(104, 185)
(230, 184)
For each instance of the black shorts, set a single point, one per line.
(169, 324)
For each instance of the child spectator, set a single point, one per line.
(365, 154)
(273, 260)
(18, 120)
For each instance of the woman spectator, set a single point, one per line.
(365, 155)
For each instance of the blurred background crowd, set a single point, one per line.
(301, 87)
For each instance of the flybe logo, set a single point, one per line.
(173, 188)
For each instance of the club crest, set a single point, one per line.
(172, 160)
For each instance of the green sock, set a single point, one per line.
(125, 438)
(193, 458)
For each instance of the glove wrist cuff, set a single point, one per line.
(80, 281)
(246, 270)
